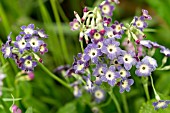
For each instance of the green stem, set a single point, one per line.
(156, 94)
(145, 85)
(54, 76)
(115, 101)
(125, 105)
(105, 104)
(81, 44)
(61, 35)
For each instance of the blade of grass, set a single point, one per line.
(61, 35)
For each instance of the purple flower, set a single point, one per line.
(27, 64)
(151, 61)
(161, 104)
(127, 59)
(139, 22)
(106, 8)
(21, 44)
(34, 43)
(123, 73)
(79, 67)
(146, 43)
(41, 33)
(98, 80)
(15, 109)
(106, 21)
(96, 35)
(165, 51)
(118, 28)
(99, 70)
(77, 91)
(125, 85)
(143, 69)
(89, 85)
(154, 44)
(99, 94)
(91, 52)
(145, 14)
(111, 49)
(43, 49)
(110, 76)
(75, 25)
(7, 50)
(28, 30)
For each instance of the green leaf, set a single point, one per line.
(29, 110)
(68, 108)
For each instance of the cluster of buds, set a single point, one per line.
(104, 58)
(24, 50)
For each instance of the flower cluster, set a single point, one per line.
(2, 76)
(24, 50)
(104, 58)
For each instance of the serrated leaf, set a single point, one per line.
(29, 110)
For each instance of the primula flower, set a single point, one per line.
(151, 61)
(96, 36)
(118, 28)
(41, 33)
(110, 76)
(27, 63)
(91, 52)
(110, 33)
(79, 67)
(43, 48)
(28, 30)
(75, 25)
(98, 80)
(106, 8)
(111, 49)
(165, 51)
(99, 70)
(145, 14)
(21, 44)
(106, 21)
(143, 69)
(139, 22)
(146, 43)
(123, 73)
(89, 85)
(98, 94)
(127, 59)
(125, 85)
(161, 104)
(34, 43)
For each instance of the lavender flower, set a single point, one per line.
(161, 104)
(99, 70)
(118, 28)
(98, 80)
(111, 49)
(125, 85)
(123, 73)
(139, 22)
(145, 14)
(41, 33)
(7, 50)
(127, 59)
(106, 8)
(34, 43)
(75, 25)
(110, 33)
(106, 21)
(110, 76)
(27, 63)
(154, 44)
(96, 35)
(21, 44)
(79, 67)
(91, 52)
(143, 69)
(146, 43)
(98, 94)
(151, 61)
(165, 51)
(28, 30)
(43, 48)
(89, 85)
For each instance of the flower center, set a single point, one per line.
(28, 63)
(98, 94)
(97, 36)
(139, 23)
(111, 48)
(110, 75)
(106, 9)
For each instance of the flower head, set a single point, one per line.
(161, 104)
(28, 30)
(98, 94)
(118, 28)
(165, 51)
(111, 49)
(99, 70)
(110, 76)
(106, 8)
(139, 22)
(146, 15)
(125, 85)
(75, 25)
